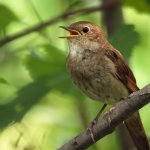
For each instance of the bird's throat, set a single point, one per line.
(75, 51)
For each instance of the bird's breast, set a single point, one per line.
(95, 76)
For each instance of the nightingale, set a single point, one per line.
(101, 72)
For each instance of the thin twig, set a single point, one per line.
(121, 112)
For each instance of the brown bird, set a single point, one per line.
(101, 72)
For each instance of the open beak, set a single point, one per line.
(73, 33)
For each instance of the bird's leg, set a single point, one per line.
(95, 120)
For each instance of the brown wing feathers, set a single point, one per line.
(124, 73)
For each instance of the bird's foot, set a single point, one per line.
(107, 115)
(95, 120)
(89, 129)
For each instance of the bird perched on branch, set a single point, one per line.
(101, 72)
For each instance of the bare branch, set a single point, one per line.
(122, 110)
(43, 25)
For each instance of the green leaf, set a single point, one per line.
(141, 5)
(27, 97)
(47, 64)
(125, 39)
(3, 81)
(6, 17)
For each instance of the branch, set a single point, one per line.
(122, 111)
(41, 26)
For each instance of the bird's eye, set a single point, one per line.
(85, 29)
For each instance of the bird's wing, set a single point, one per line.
(125, 75)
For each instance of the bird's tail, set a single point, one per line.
(136, 130)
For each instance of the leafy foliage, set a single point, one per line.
(48, 64)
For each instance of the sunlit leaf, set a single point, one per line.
(27, 97)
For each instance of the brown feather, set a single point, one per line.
(133, 123)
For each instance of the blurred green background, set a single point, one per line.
(40, 108)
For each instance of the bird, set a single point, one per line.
(101, 72)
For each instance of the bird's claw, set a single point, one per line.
(107, 115)
(91, 134)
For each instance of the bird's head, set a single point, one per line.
(84, 35)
